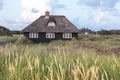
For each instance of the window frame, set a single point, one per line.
(50, 35)
(67, 35)
(33, 35)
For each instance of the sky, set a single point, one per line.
(92, 14)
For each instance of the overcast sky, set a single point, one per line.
(92, 14)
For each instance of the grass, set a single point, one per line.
(60, 60)
(8, 39)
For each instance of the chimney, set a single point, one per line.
(47, 13)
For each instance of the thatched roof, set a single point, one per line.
(62, 24)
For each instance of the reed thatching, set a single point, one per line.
(62, 25)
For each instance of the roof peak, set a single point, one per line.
(47, 13)
(53, 16)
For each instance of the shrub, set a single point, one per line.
(4, 31)
(104, 32)
(6, 40)
(23, 40)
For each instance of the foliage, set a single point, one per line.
(16, 32)
(7, 40)
(90, 58)
(4, 31)
(104, 32)
(23, 40)
(61, 60)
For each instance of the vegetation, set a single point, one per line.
(8, 39)
(104, 32)
(101, 32)
(16, 32)
(23, 40)
(4, 31)
(62, 60)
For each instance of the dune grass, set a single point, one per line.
(57, 61)
(82, 59)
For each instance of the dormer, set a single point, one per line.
(51, 22)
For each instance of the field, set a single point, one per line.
(92, 57)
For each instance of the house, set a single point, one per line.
(115, 31)
(50, 27)
(86, 31)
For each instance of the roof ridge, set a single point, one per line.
(54, 15)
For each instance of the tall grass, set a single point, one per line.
(56, 61)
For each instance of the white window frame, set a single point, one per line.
(50, 35)
(51, 24)
(33, 35)
(67, 35)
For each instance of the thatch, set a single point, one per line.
(62, 25)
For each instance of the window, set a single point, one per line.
(67, 35)
(51, 24)
(33, 35)
(50, 35)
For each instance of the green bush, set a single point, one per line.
(23, 40)
(4, 31)
(104, 32)
(6, 40)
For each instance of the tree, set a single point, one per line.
(104, 32)
(4, 31)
